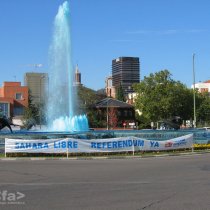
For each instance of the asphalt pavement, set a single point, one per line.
(171, 183)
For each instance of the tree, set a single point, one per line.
(96, 118)
(120, 94)
(31, 113)
(160, 97)
(85, 98)
(203, 110)
(113, 119)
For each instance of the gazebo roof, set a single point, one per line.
(110, 102)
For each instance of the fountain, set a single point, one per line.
(62, 116)
(61, 106)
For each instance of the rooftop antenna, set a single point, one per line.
(35, 65)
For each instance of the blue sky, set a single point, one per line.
(162, 33)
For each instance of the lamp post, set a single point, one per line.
(40, 96)
(40, 100)
(194, 124)
(107, 115)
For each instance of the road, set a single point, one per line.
(173, 182)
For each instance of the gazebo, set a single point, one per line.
(117, 113)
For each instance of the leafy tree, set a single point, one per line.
(120, 94)
(203, 109)
(143, 122)
(31, 113)
(86, 97)
(97, 119)
(160, 97)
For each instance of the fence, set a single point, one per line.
(200, 137)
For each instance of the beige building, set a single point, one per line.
(203, 86)
(38, 86)
(131, 98)
(110, 90)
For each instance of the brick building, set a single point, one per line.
(13, 99)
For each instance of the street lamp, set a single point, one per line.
(40, 97)
(107, 114)
(194, 90)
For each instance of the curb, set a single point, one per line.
(102, 158)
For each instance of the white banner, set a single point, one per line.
(70, 145)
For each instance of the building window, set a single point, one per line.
(130, 113)
(119, 113)
(18, 96)
(5, 109)
(18, 111)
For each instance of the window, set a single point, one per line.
(18, 96)
(130, 113)
(125, 113)
(5, 108)
(118, 113)
(18, 111)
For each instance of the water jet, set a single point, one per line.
(62, 95)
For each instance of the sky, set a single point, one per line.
(164, 34)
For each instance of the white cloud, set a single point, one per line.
(124, 40)
(165, 32)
